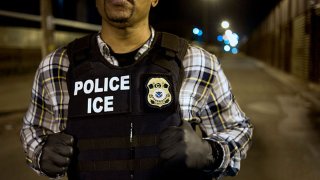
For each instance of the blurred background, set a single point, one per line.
(269, 50)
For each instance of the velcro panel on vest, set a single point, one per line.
(96, 94)
(99, 104)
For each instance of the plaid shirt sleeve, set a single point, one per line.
(48, 107)
(206, 98)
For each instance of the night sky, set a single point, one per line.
(175, 16)
(243, 15)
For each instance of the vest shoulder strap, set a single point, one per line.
(174, 45)
(175, 48)
(79, 49)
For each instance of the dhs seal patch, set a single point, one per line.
(158, 92)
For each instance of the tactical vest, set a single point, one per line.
(117, 113)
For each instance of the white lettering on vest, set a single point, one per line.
(77, 86)
(112, 85)
(95, 107)
(124, 85)
(99, 104)
(88, 86)
(96, 86)
(106, 80)
(89, 105)
(108, 103)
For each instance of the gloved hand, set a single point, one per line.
(56, 154)
(180, 147)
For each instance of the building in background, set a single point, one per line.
(289, 39)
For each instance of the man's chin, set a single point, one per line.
(119, 22)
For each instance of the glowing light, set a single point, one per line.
(225, 24)
(227, 48)
(220, 38)
(234, 51)
(228, 33)
(196, 31)
(234, 42)
(231, 39)
(200, 33)
(225, 37)
(236, 36)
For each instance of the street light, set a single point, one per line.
(228, 33)
(225, 24)
(229, 39)
(197, 32)
(227, 48)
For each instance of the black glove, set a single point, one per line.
(180, 147)
(56, 154)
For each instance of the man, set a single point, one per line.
(119, 104)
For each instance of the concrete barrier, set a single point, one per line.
(20, 48)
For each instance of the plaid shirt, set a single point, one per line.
(205, 97)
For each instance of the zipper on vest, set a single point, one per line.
(132, 152)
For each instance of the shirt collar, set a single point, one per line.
(105, 50)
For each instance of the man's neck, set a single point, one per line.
(124, 40)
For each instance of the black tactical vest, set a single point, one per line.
(117, 113)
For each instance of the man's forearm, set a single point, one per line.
(235, 144)
(32, 139)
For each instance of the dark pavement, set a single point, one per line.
(284, 111)
(286, 117)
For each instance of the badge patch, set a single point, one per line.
(158, 92)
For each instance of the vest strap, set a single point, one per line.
(176, 49)
(117, 142)
(118, 165)
(78, 50)
(176, 46)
